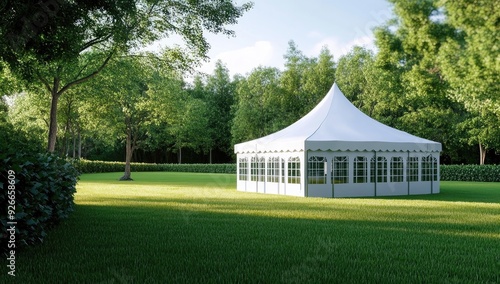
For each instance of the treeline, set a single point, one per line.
(435, 75)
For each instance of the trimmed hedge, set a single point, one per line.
(87, 166)
(488, 173)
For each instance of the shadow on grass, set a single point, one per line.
(185, 242)
(486, 192)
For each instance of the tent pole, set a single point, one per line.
(432, 173)
(408, 171)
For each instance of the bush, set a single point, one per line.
(44, 188)
(86, 166)
(489, 173)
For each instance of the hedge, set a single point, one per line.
(87, 166)
(489, 173)
(42, 187)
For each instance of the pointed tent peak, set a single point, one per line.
(335, 124)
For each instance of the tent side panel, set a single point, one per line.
(392, 188)
(420, 187)
(354, 190)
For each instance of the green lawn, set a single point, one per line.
(192, 228)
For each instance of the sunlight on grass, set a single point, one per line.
(196, 228)
(214, 193)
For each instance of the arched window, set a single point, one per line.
(429, 168)
(360, 169)
(243, 166)
(412, 165)
(396, 169)
(253, 169)
(316, 170)
(294, 170)
(378, 170)
(273, 169)
(261, 169)
(340, 169)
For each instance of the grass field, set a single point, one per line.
(196, 228)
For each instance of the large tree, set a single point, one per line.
(470, 63)
(134, 97)
(415, 93)
(47, 42)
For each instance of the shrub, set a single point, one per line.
(44, 188)
(489, 173)
(86, 166)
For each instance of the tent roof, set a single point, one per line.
(335, 124)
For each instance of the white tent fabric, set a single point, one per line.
(337, 125)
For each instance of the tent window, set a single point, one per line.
(261, 169)
(360, 169)
(316, 170)
(429, 168)
(396, 169)
(283, 170)
(273, 169)
(243, 172)
(381, 173)
(412, 169)
(253, 169)
(372, 169)
(340, 170)
(294, 170)
(434, 169)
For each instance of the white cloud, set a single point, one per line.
(339, 48)
(243, 60)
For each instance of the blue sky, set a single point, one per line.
(263, 33)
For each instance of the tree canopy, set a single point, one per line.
(46, 44)
(434, 74)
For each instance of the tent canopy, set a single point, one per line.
(335, 124)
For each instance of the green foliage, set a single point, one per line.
(488, 173)
(469, 62)
(44, 186)
(87, 166)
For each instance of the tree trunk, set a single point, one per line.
(482, 154)
(128, 156)
(79, 144)
(74, 144)
(180, 155)
(51, 145)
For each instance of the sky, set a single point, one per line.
(263, 33)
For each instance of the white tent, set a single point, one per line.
(338, 151)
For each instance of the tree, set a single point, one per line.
(294, 99)
(49, 42)
(319, 78)
(190, 125)
(353, 77)
(408, 58)
(29, 115)
(258, 109)
(469, 63)
(124, 102)
(219, 96)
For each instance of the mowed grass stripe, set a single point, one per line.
(192, 228)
